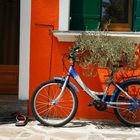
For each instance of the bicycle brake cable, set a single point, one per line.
(63, 62)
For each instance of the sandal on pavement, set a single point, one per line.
(21, 120)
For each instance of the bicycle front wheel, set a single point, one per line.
(128, 111)
(48, 113)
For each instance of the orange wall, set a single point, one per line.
(46, 57)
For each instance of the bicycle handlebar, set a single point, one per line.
(72, 52)
(76, 48)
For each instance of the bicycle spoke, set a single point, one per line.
(129, 114)
(39, 102)
(50, 113)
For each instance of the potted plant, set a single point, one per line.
(98, 48)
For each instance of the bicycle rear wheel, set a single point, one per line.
(48, 113)
(129, 113)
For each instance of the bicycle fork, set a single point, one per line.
(55, 101)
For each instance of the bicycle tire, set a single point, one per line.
(45, 112)
(129, 114)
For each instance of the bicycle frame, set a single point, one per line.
(90, 92)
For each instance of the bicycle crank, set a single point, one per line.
(99, 105)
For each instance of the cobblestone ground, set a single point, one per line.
(76, 130)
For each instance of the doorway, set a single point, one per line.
(9, 46)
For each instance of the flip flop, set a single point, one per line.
(21, 120)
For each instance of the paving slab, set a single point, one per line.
(76, 130)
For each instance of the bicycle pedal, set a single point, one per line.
(90, 104)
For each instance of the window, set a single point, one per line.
(112, 15)
(116, 15)
(80, 15)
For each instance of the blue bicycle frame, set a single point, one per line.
(91, 93)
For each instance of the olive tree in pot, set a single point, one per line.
(98, 48)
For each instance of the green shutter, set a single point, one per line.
(136, 16)
(85, 14)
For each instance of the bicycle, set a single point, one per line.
(55, 103)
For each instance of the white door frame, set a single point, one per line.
(24, 53)
(64, 15)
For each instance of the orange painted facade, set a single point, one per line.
(46, 57)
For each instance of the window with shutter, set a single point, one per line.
(112, 15)
(85, 14)
(136, 16)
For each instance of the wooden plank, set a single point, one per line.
(9, 79)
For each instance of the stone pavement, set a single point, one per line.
(76, 130)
